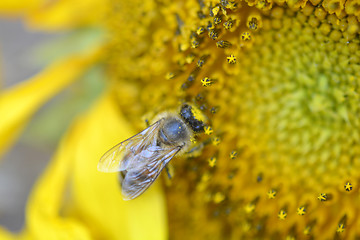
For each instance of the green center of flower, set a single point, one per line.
(299, 92)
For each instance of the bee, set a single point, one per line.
(141, 158)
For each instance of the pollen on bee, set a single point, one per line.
(193, 140)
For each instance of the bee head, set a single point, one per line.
(193, 117)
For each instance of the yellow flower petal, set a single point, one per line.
(97, 195)
(93, 207)
(19, 103)
(12, 8)
(67, 14)
(43, 211)
(4, 235)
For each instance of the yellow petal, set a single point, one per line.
(19, 103)
(97, 195)
(4, 235)
(68, 14)
(92, 208)
(55, 15)
(13, 8)
(43, 211)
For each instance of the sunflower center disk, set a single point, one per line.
(298, 88)
(288, 93)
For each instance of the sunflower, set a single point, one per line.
(279, 83)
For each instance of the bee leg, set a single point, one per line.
(168, 171)
(122, 175)
(147, 123)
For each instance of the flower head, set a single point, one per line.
(289, 107)
(279, 83)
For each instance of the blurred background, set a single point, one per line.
(20, 166)
(24, 53)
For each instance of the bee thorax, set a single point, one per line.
(173, 132)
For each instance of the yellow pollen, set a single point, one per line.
(206, 82)
(219, 197)
(245, 36)
(208, 130)
(223, 44)
(233, 154)
(228, 24)
(249, 208)
(340, 228)
(348, 186)
(212, 161)
(170, 75)
(323, 197)
(193, 140)
(200, 30)
(231, 59)
(190, 58)
(195, 44)
(215, 10)
(213, 34)
(307, 230)
(301, 211)
(217, 20)
(215, 141)
(271, 194)
(282, 215)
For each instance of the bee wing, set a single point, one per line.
(134, 181)
(113, 159)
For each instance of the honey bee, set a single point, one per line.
(141, 158)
